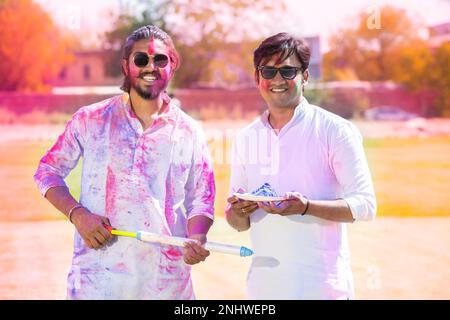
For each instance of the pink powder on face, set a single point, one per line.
(291, 84)
(151, 46)
(264, 84)
(164, 74)
(134, 72)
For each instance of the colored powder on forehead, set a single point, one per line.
(151, 46)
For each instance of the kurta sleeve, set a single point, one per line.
(200, 189)
(349, 163)
(62, 157)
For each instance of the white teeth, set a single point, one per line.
(278, 90)
(149, 78)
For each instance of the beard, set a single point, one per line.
(148, 92)
(151, 94)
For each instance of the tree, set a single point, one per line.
(202, 32)
(218, 35)
(363, 51)
(420, 68)
(440, 78)
(125, 23)
(31, 49)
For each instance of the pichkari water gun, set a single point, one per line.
(178, 241)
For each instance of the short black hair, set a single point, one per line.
(147, 32)
(284, 45)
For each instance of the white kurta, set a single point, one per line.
(140, 181)
(321, 156)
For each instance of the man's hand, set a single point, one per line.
(193, 251)
(242, 208)
(92, 228)
(295, 203)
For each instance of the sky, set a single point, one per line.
(89, 18)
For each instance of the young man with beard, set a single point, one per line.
(317, 162)
(143, 159)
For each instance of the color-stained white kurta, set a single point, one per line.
(321, 156)
(140, 180)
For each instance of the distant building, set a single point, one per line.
(315, 62)
(438, 34)
(229, 75)
(87, 69)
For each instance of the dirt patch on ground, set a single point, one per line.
(392, 258)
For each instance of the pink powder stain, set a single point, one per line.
(185, 126)
(151, 46)
(168, 204)
(208, 176)
(172, 253)
(291, 84)
(148, 145)
(134, 72)
(50, 156)
(164, 74)
(142, 165)
(111, 192)
(265, 84)
(183, 168)
(120, 267)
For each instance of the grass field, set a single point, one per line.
(411, 177)
(402, 256)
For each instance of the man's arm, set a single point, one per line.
(333, 210)
(54, 166)
(200, 193)
(62, 200)
(199, 225)
(237, 213)
(89, 225)
(349, 164)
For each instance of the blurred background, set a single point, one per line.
(385, 65)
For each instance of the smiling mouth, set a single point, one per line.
(148, 78)
(278, 90)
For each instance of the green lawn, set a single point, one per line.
(411, 177)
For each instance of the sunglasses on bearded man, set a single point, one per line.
(287, 72)
(141, 60)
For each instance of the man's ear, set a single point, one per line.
(124, 67)
(305, 77)
(256, 77)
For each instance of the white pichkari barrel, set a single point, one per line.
(178, 241)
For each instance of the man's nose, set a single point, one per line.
(150, 65)
(278, 78)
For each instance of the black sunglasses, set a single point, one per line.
(141, 60)
(286, 72)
